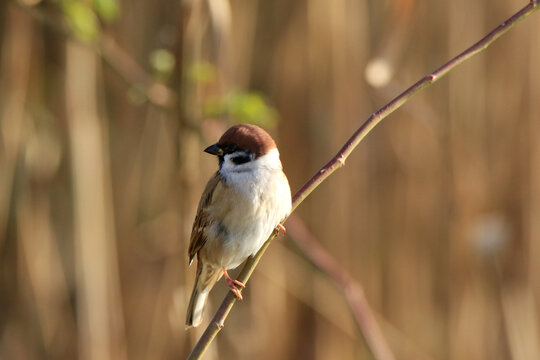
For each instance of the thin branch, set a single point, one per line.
(338, 161)
(353, 291)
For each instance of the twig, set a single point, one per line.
(338, 161)
(353, 291)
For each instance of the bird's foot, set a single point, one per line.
(232, 284)
(281, 227)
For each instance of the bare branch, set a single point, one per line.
(339, 160)
(353, 291)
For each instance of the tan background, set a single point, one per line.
(437, 213)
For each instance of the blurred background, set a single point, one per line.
(106, 106)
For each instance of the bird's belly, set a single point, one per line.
(241, 233)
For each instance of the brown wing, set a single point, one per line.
(198, 237)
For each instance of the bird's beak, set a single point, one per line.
(214, 150)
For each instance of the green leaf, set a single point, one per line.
(252, 108)
(243, 107)
(108, 10)
(162, 61)
(201, 72)
(82, 20)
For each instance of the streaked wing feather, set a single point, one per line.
(198, 238)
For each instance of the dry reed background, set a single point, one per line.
(437, 213)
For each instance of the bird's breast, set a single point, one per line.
(244, 213)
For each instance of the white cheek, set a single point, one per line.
(228, 165)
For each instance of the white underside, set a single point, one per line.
(256, 197)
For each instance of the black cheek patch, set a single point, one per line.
(241, 159)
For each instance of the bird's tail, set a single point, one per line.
(207, 276)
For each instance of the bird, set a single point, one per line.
(243, 203)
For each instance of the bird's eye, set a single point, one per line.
(241, 159)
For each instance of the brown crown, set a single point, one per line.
(249, 137)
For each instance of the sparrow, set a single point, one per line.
(246, 199)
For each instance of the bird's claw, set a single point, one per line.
(232, 285)
(239, 283)
(281, 227)
(236, 292)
